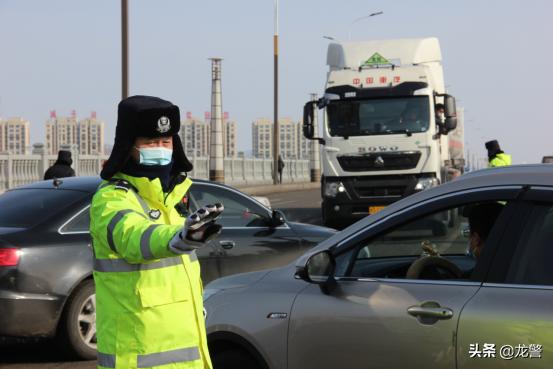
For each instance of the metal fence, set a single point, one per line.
(17, 170)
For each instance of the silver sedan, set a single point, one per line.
(399, 289)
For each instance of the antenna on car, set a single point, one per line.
(57, 182)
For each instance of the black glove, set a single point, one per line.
(199, 228)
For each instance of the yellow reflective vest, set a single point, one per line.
(500, 160)
(149, 308)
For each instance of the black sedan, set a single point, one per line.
(46, 286)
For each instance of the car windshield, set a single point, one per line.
(378, 116)
(25, 208)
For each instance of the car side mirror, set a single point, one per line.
(450, 111)
(277, 218)
(308, 126)
(308, 129)
(319, 269)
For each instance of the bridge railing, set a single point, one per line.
(17, 170)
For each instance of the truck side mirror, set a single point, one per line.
(450, 113)
(308, 129)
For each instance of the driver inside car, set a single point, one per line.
(481, 218)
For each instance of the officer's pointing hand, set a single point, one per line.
(199, 228)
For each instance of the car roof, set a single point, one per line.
(90, 184)
(515, 175)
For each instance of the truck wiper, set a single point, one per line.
(406, 131)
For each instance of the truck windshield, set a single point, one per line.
(378, 116)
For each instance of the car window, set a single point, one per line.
(531, 263)
(25, 208)
(240, 211)
(442, 235)
(81, 223)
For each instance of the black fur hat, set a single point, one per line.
(145, 116)
(493, 148)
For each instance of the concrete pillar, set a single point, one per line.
(314, 149)
(39, 149)
(9, 172)
(216, 161)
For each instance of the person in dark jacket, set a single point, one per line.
(496, 156)
(280, 167)
(62, 166)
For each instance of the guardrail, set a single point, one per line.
(17, 170)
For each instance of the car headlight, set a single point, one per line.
(426, 183)
(332, 189)
(208, 292)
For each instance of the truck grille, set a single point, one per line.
(367, 191)
(380, 161)
(383, 187)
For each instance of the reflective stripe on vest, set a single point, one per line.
(145, 242)
(155, 359)
(111, 226)
(142, 202)
(120, 265)
(106, 360)
(113, 223)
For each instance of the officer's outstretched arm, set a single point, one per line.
(199, 228)
(125, 231)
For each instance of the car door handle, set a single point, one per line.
(227, 245)
(430, 312)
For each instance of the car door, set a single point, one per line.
(376, 318)
(508, 323)
(247, 242)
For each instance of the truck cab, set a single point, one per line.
(382, 137)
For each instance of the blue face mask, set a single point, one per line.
(155, 155)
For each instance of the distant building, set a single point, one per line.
(86, 134)
(262, 138)
(60, 131)
(262, 134)
(91, 136)
(14, 136)
(229, 140)
(195, 135)
(303, 144)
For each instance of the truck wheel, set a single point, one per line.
(232, 359)
(77, 329)
(328, 221)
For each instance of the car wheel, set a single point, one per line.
(77, 330)
(233, 358)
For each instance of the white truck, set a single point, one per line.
(383, 138)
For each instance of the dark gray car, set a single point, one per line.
(398, 290)
(46, 285)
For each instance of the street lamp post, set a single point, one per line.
(124, 50)
(361, 18)
(276, 141)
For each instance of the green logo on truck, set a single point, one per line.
(376, 59)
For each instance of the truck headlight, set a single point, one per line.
(426, 183)
(332, 189)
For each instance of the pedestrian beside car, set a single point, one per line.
(148, 286)
(496, 156)
(62, 166)
(280, 168)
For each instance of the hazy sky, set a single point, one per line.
(65, 55)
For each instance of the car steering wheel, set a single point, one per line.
(417, 267)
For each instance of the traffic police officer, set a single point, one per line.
(496, 157)
(149, 304)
